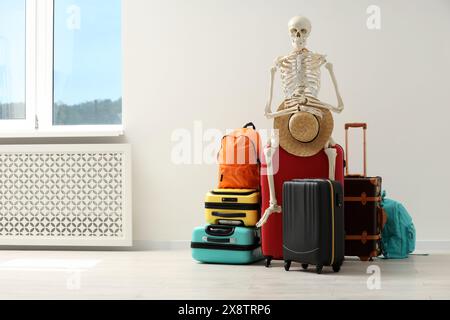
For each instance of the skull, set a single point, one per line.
(299, 29)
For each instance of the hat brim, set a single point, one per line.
(300, 149)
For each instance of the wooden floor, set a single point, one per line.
(173, 275)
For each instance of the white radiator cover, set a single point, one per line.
(65, 195)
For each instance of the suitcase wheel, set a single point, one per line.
(336, 268)
(268, 262)
(305, 266)
(319, 269)
(364, 259)
(287, 265)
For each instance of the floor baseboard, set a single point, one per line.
(422, 247)
(138, 245)
(432, 246)
(161, 245)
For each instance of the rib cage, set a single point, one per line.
(300, 74)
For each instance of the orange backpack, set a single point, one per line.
(239, 164)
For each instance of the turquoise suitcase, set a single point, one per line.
(222, 244)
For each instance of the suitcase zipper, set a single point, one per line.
(332, 222)
(196, 245)
(229, 215)
(232, 206)
(226, 193)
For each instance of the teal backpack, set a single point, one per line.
(399, 233)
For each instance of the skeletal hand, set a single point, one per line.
(276, 208)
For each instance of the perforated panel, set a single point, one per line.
(68, 195)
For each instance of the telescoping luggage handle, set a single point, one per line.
(347, 127)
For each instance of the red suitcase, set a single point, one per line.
(291, 167)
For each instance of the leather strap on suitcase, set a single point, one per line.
(363, 238)
(364, 199)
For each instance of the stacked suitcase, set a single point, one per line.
(231, 214)
(230, 236)
(226, 244)
(238, 207)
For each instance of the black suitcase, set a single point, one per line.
(313, 224)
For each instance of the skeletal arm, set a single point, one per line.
(340, 106)
(273, 205)
(273, 72)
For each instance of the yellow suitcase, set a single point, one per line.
(238, 207)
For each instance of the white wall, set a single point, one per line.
(208, 60)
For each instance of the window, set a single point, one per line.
(60, 67)
(87, 63)
(12, 60)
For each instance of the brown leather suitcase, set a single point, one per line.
(364, 217)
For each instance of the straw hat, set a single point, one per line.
(304, 134)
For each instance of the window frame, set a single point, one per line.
(39, 89)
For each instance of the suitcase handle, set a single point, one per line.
(347, 166)
(356, 125)
(250, 124)
(220, 240)
(229, 215)
(219, 231)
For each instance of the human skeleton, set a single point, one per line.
(301, 80)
